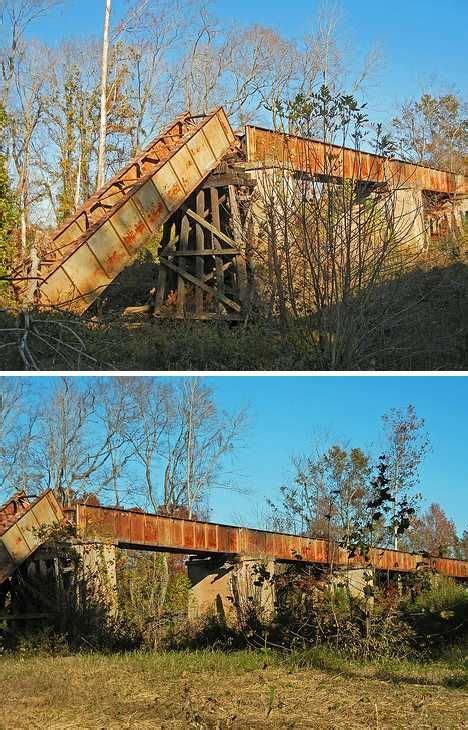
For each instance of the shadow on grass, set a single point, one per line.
(418, 322)
(396, 671)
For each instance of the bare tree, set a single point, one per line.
(71, 456)
(198, 447)
(16, 437)
(149, 416)
(16, 16)
(103, 114)
(27, 116)
(114, 415)
(21, 94)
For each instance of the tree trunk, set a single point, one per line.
(103, 123)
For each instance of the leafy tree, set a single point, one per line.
(327, 495)
(406, 446)
(8, 209)
(434, 131)
(433, 532)
(378, 515)
(461, 547)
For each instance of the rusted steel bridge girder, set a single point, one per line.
(139, 530)
(265, 147)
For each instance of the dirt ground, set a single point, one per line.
(209, 690)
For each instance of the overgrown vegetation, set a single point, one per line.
(153, 597)
(356, 614)
(259, 672)
(425, 329)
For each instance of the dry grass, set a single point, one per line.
(214, 690)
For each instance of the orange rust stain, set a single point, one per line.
(175, 192)
(154, 214)
(114, 261)
(135, 236)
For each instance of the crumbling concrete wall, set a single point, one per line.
(217, 581)
(355, 580)
(411, 226)
(97, 573)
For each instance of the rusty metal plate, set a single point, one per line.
(202, 153)
(211, 537)
(200, 538)
(221, 116)
(85, 271)
(176, 537)
(131, 228)
(107, 523)
(164, 529)
(230, 539)
(151, 534)
(58, 288)
(14, 542)
(169, 187)
(108, 250)
(269, 147)
(216, 137)
(54, 506)
(189, 540)
(151, 205)
(186, 169)
(72, 232)
(34, 521)
(122, 526)
(137, 528)
(254, 542)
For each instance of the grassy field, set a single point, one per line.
(239, 690)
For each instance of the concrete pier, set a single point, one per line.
(218, 585)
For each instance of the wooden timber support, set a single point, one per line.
(202, 260)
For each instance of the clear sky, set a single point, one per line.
(423, 42)
(288, 414)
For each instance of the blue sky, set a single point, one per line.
(287, 414)
(423, 42)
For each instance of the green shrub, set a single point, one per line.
(152, 597)
(438, 615)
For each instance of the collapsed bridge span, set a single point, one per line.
(106, 233)
(195, 191)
